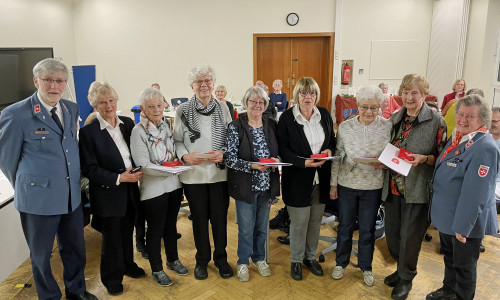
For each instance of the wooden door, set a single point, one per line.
(293, 56)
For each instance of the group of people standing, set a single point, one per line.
(238, 158)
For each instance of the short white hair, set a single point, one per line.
(203, 70)
(370, 92)
(148, 94)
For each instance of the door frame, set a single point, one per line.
(331, 38)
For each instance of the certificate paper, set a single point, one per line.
(173, 170)
(390, 159)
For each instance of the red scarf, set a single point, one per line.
(458, 137)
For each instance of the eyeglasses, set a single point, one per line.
(372, 108)
(206, 81)
(257, 102)
(468, 117)
(51, 81)
(305, 93)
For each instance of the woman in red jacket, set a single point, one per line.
(458, 92)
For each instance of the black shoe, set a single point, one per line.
(392, 279)
(482, 248)
(135, 272)
(115, 289)
(443, 293)
(296, 271)
(401, 290)
(314, 267)
(225, 270)
(179, 235)
(200, 272)
(285, 240)
(280, 220)
(85, 296)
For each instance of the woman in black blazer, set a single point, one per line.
(114, 193)
(305, 130)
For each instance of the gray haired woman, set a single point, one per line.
(358, 184)
(250, 138)
(151, 144)
(199, 134)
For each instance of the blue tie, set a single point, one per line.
(56, 118)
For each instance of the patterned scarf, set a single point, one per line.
(397, 180)
(191, 120)
(457, 138)
(159, 140)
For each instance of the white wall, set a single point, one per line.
(364, 21)
(134, 45)
(40, 23)
(484, 24)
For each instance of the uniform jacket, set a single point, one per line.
(101, 163)
(297, 180)
(464, 197)
(40, 161)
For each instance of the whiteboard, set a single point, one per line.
(395, 59)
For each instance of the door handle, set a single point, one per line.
(288, 83)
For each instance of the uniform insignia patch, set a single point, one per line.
(483, 170)
(469, 143)
(36, 108)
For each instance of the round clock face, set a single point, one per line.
(292, 19)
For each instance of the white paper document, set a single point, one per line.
(173, 170)
(207, 155)
(273, 164)
(390, 159)
(321, 158)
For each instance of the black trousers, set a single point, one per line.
(140, 223)
(161, 214)
(209, 203)
(460, 264)
(405, 227)
(117, 254)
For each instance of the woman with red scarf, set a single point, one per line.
(463, 204)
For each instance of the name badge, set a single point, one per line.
(450, 164)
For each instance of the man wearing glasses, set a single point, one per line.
(39, 156)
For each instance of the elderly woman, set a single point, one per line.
(304, 130)
(463, 203)
(200, 127)
(114, 193)
(459, 89)
(389, 105)
(152, 144)
(421, 131)
(358, 185)
(220, 94)
(278, 97)
(249, 138)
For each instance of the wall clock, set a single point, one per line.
(292, 19)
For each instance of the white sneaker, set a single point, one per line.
(338, 272)
(369, 278)
(263, 268)
(242, 273)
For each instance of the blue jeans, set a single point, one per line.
(252, 227)
(361, 206)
